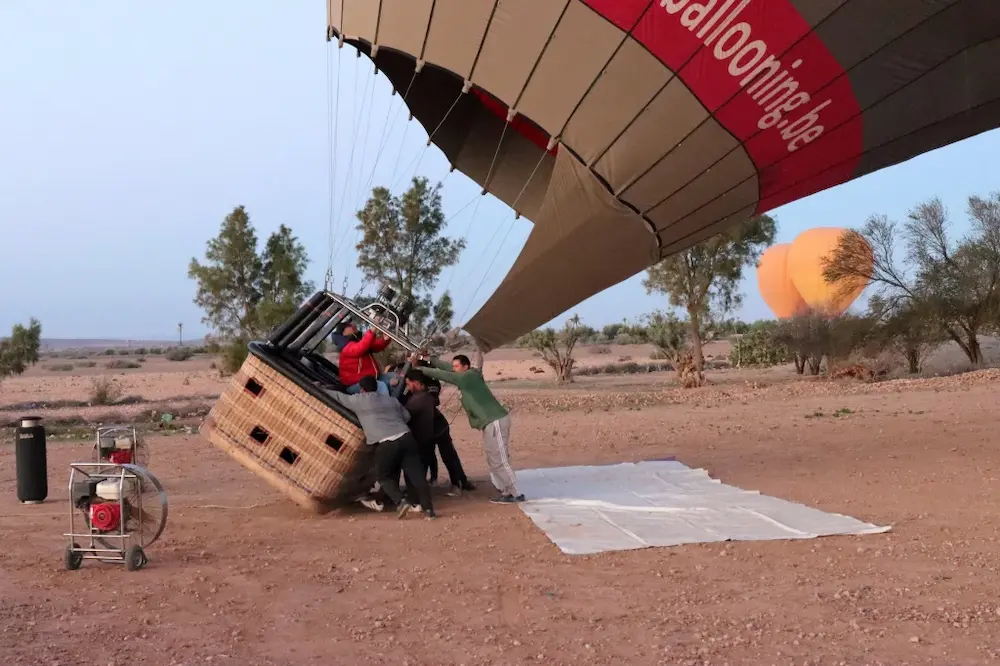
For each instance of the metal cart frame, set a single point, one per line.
(100, 543)
(130, 431)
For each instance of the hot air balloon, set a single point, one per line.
(776, 286)
(629, 130)
(805, 266)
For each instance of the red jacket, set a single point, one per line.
(357, 360)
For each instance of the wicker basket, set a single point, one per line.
(310, 451)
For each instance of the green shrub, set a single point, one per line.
(760, 347)
(180, 354)
(121, 365)
(233, 356)
(61, 367)
(104, 391)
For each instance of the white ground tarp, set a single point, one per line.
(586, 510)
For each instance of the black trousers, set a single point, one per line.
(398, 455)
(449, 456)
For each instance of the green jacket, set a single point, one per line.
(477, 399)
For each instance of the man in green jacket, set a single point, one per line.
(485, 414)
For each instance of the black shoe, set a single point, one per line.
(429, 514)
(467, 485)
(508, 499)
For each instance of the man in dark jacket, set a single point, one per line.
(420, 404)
(428, 391)
(384, 422)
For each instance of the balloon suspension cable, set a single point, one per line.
(385, 135)
(496, 153)
(383, 144)
(333, 131)
(465, 88)
(370, 89)
(510, 227)
(430, 139)
(350, 161)
(452, 270)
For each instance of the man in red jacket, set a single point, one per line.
(357, 356)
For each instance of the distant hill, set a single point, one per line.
(57, 344)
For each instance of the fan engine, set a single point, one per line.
(102, 502)
(117, 450)
(105, 516)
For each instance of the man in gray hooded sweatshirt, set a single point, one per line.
(384, 421)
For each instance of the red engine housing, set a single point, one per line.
(105, 517)
(120, 457)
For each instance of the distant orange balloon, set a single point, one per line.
(805, 268)
(776, 286)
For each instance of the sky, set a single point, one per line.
(128, 130)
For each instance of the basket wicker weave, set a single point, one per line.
(310, 451)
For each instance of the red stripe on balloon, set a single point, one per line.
(815, 141)
(526, 128)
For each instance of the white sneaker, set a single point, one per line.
(374, 505)
(454, 491)
(416, 508)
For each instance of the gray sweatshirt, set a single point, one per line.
(382, 417)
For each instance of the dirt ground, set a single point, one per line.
(242, 576)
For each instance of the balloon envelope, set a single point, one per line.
(806, 265)
(776, 287)
(674, 119)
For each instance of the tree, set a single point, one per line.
(908, 330)
(283, 286)
(229, 281)
(557, 347)
(814, 337)
(954, 285)
(672, 339)
(808, 337)
(244, 294)
(20, 350)
(402, 244)
(704, 280)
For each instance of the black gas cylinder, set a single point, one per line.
(31, 460)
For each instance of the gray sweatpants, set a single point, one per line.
(496, 444)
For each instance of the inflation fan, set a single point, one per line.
(120, 445)
(117, 510)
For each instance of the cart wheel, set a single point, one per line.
(135, 558)
(73, 558)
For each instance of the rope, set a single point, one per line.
(406, 128)
(510, 228)
(64, 514)
(418, 159)
(452, 270)
(368, 123)
(350, 160)
(496, 153)
(371, 176)
(333, 131)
